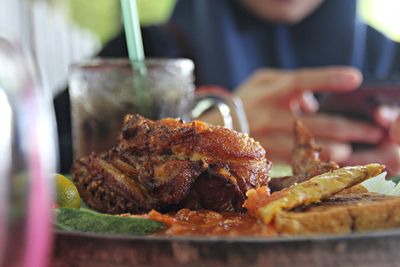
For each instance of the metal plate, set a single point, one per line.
(367, 249)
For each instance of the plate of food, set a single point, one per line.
(172, 193)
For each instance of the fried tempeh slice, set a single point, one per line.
(306, 162)
(341, 214)
(318, 188)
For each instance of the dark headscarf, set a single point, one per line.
(228, 42)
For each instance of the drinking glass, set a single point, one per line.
(27, 159)
(103, 91)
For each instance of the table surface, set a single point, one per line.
(370, 249)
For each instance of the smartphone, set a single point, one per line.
(362, 103)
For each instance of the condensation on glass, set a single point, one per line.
(103, 91)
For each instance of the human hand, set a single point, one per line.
(388, 152)
(395, 130)
(389, 118)
(273, 99)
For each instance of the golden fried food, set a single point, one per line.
(168, 164)
(306, 162)
(341, 214)
(266, 207)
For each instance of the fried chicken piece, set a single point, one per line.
(168, 164)
(306, 162)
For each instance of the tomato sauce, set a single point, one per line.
(187, 222)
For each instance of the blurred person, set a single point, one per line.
(274, 54)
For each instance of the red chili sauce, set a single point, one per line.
(187, 222)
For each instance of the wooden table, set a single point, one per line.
(373, 249)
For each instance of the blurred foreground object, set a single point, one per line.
(47, 30)
(28, 156)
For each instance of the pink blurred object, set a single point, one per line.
(28, 158)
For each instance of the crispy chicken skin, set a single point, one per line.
(168, 164)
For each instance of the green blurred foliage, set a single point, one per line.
(103, 16)
(99, 16)
(155, 11)
(383, 15)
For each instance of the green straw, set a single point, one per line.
(132, 30)
(136, 54)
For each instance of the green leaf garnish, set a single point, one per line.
(84, 220)
(280, 170)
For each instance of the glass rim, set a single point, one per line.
(97, 62)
